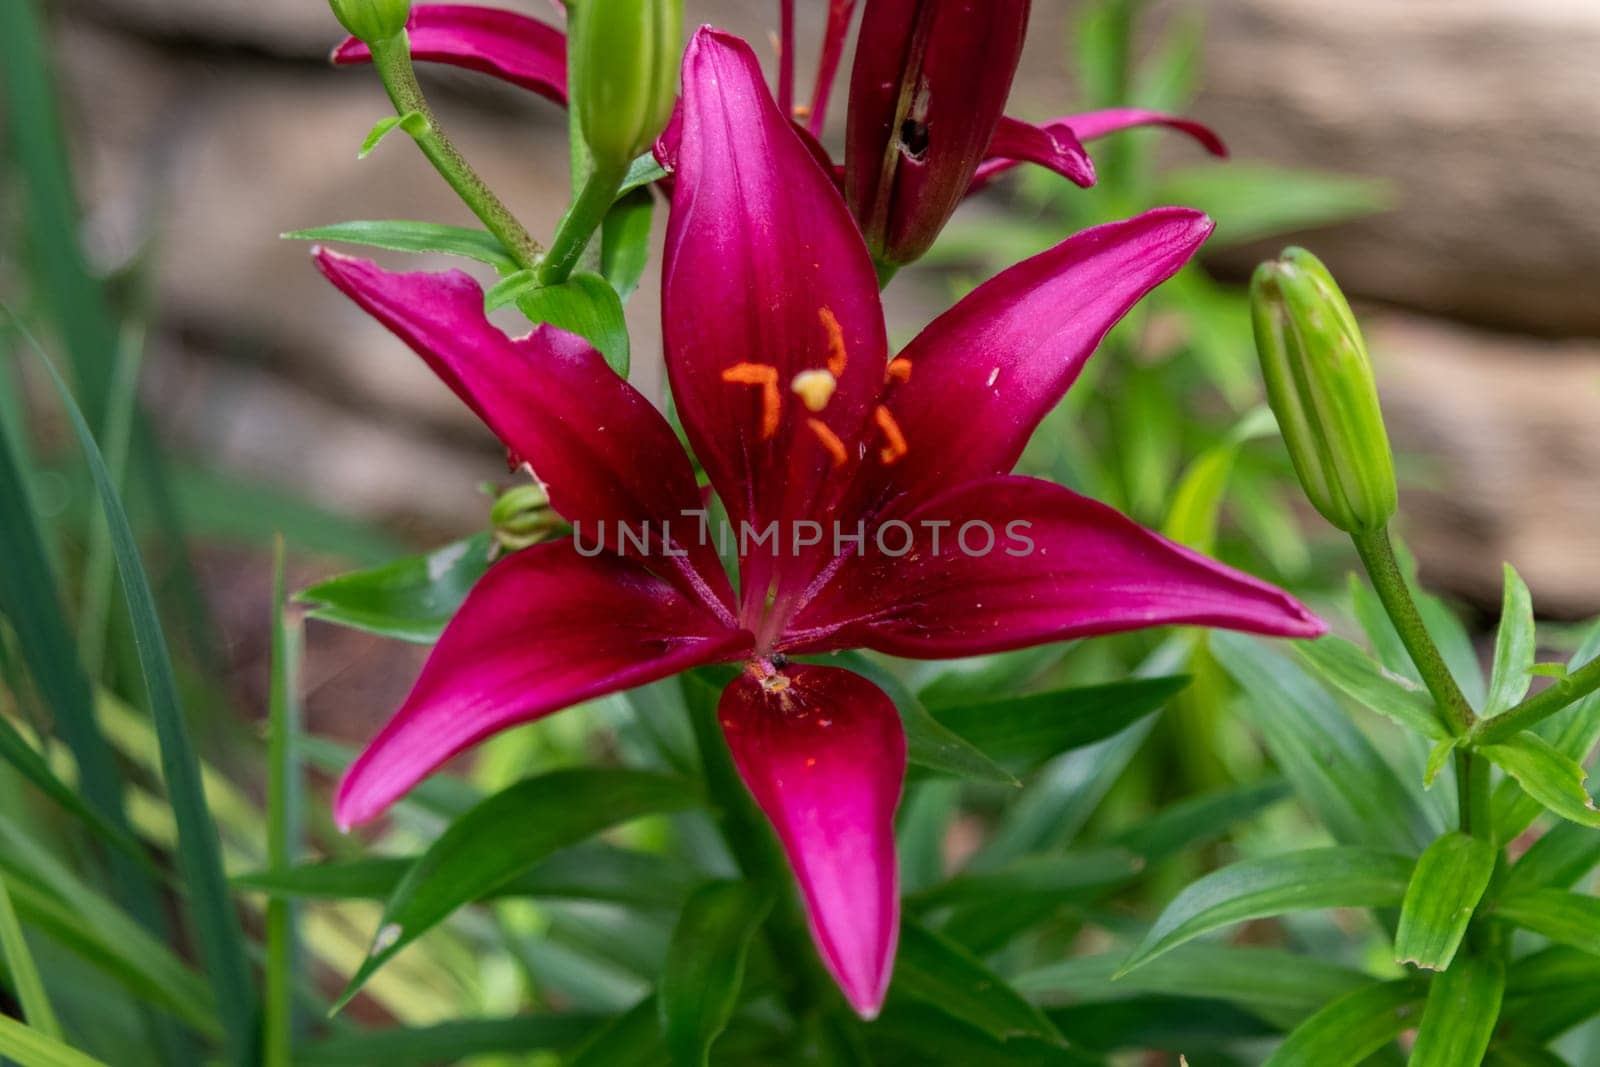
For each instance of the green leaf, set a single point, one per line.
(23, 972)
(1514, 647)
(1056, 877)
(451, 1042)
(929, 743)
(403, 235)
(1438, 757)
(1550, 991)
(641, 172)
(31, 1048)
(1547, 775)
(504, 836)
(705, 966)
(1350, 1029)
(633, 1037)
(584, 304)
(1445, 889)
(1197, 501)
(285, 830)
(1331, 764)
(1255, 200)
(1349, 670)
(1463, 1007)
(942, 973)
(1505, 1054)
(914, 1032)
(1257, 978)
(1027, 730)
(1570, 918)
(1341, 877)
(1562, 855)
(409, 599)
(413, 122)
(15, 750)
(625, 241)
(1198, 819)
(1573, 731)
(220, 939)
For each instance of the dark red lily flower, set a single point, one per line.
(901, 207)
(778, 361)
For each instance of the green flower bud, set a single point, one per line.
(373, 21)
(623, 58)
(521, 516)
(1319, 383)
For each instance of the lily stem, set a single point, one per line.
(755, 849)
(1377, 556)
(392, 58)
(579, 224)
(1543, 704)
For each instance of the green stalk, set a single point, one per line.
(760, 858)
(283, 823)
(392, 58)
(579, 224)
(1472, 782)
(1543, 704)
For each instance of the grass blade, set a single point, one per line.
(199, 850)
(31, 1048)
(24, 972)
(284, 824)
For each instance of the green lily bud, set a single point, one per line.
(372, 21)
(521, 516)
(623, 58)
(1319, 383)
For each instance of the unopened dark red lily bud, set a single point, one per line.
(929, 84)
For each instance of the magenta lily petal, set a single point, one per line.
(544, 629)
(1019, 562)
(490, 40)
(983, 374)
(833, 35)
(766, 278)
(605, 454)
(823, 753)
(1091, 125)
(1056, 147)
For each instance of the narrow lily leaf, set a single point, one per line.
(1258, 978)
(505, 835)
(413, 122)
(1027, 730)
(1192, 822)
(1342, 877)
(929, 743)
(199, 853)
(450, 1042)
(642, 172)
(1547, 775)
(1438, 756)
(1445, 889)
(1055, 877)
(1463, 1007)
(1575, 731)
(1561, 856)
(1330, 763)
(402, 235)
(632, 1037)
(285, 786)
(1570, 918)
(30, 1048)
(1251, 201)
(23, 972)
(584, 304)
(1197, 501)
(1507, 1054)
(1346, 668)
(941, 973)
(593, 871)
(1556, 671)
(705, 966)
(625, 241)
(913, 1031)
(16, 750)
(1351, 1028)
(1550, 991)
(409, 599)
(1514, 647)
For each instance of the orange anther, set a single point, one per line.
(837, 356)
(830, 441)
(802, 111)
(899, 370)
(895, 442)
(765, 376)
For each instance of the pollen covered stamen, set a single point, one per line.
(830, 441)
(814, 388)
(898, 370)
(766, 376)
(838, 357)
(895, 445)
